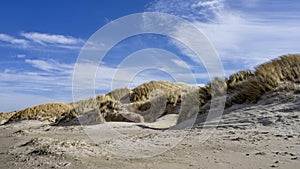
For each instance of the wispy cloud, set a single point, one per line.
(207, 7)
(44, 38)
(12, 40)
(51, 81)
(50, 66)
(202, 10)
(50, 76)
(211, 4)
(41, 41)
(242, 37)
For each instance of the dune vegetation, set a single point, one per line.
(266, 77)
(151, 100)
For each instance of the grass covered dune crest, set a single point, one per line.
(282, 72)
(154, 99)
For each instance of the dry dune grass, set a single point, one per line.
(67, 118)
(144, 91)
(98, 110)
(285, 68)
(267, 77)
(218, 87)
(151, 100)
(238, 77)
(157, 98)
(204, 94)
(45, 112)
(160, 102)
(104, 103)
(215, 89)
(249, 91)
(90, 110)
(150, 109)
(120, 94)
(189, 106)
(4, 117)
(111, 108)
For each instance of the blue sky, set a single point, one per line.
(41, 40)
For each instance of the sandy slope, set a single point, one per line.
(264, 135)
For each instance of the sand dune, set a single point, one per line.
(258, 129)
(262, 135)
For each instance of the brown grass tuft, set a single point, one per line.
(120, 94)
(144, 91)
(44, 112)
(268, 77)
(4, 117)
(218, 87)
(238, 77)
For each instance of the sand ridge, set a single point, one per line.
(258, 129)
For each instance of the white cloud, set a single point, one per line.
(20, 56)
(44, 38)
(12, 40)
(52, 77)
(179, 63)
(32, 88)
(42, 42)
(188, 9)
(211, 4)
(243, 38)
(50, 65)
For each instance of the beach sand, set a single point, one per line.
(262, 135)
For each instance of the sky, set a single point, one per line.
(40, 42)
